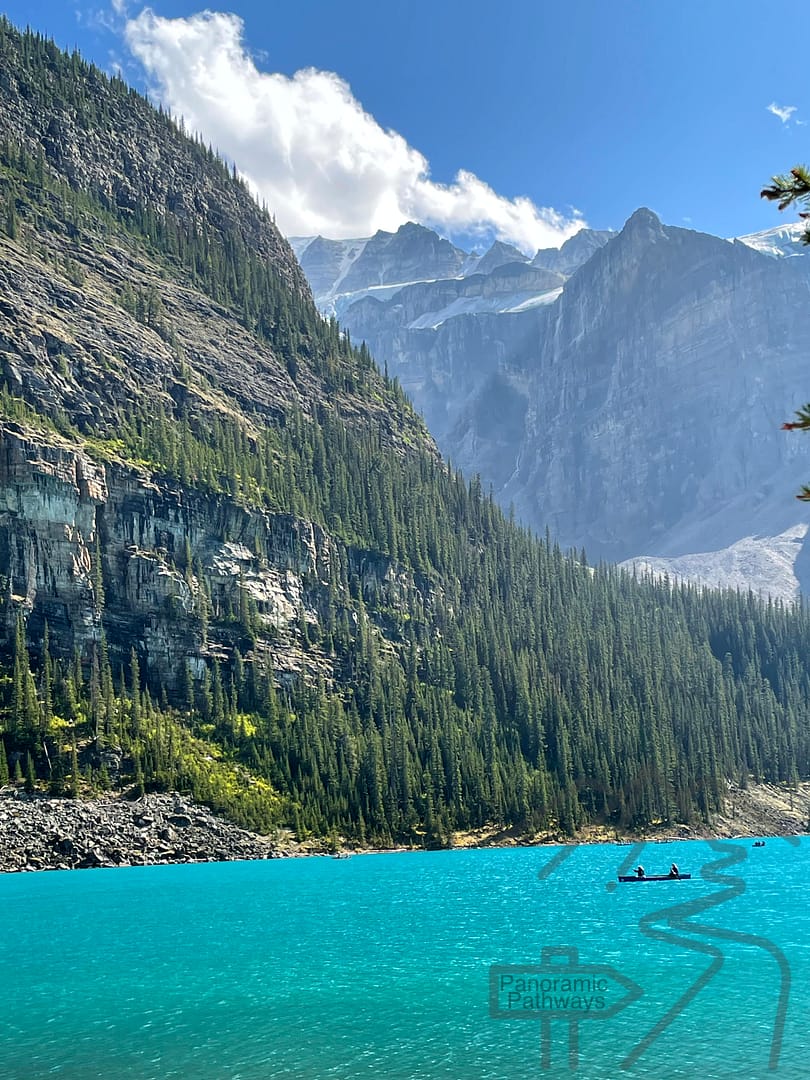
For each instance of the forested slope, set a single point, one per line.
(232, 562)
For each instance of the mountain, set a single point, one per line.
(233, 563)
(342, 271)
(574, 252)
(629, 396)
(350, 266)
(500, 254)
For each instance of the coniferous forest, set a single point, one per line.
(498, 679)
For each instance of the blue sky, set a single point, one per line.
(588, 109)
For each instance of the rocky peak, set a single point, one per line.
(412, 253)
(643, 227)
(499, 255)
(574, 252)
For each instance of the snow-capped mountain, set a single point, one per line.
(350, 267)
(626, 390)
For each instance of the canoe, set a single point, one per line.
(657, 877)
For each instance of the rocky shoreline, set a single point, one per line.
(40, 833)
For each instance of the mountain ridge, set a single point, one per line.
(86, 129)
(233, 564)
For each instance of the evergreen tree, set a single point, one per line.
(30, 774)
(3, 764)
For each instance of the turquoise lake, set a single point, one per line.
(382, 966)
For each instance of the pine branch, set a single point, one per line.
(802, 421)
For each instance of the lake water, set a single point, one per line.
(383, 966)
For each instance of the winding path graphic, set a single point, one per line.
(676, 918)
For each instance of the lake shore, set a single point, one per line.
(42, 833)
(758, 810)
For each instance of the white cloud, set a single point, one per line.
(784, 112)
(310, 150)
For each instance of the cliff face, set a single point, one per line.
(61, 512)
(101, 548)
(50, 497)
(655, 390)
(629, 395)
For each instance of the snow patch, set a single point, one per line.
(764, 564)
(506, 304)
(782, 242)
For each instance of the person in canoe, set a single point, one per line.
(674, 871)
(640, 872)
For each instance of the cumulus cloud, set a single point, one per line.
(784, 112)
(309, 149)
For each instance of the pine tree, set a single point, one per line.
(30, 774)
(98, 574)
(3, 764)
(11, 225)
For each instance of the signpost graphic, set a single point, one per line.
(562, 989)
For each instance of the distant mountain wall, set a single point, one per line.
(627, 391)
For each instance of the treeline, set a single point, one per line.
(599, 705)
(507, 681)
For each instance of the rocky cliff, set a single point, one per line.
(62, 512)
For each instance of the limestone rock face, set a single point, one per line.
(630, 397)
(50, 495)
(61, 512)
